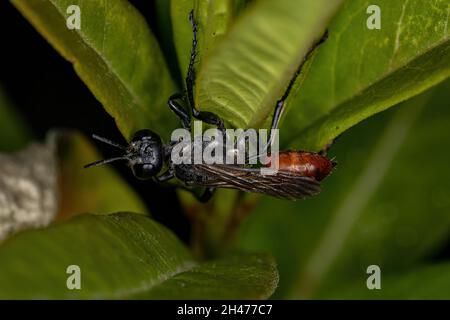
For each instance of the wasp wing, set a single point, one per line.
(283, 184)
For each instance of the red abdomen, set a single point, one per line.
(307, 164)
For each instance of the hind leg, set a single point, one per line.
(279, 107)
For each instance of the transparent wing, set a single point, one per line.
(284, 184)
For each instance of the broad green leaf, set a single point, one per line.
(359, 72)
(13, 132)
(250, 68)
(214, 19)
(123, 255)
(385, 204)
(97, 190)
(115, 54)
(429, 282)
(241, 276)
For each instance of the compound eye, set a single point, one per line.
(143, 171)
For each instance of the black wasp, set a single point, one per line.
(299, 173)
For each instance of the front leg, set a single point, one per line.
(206, 195)
(166, 176)
(179, 110)
(209, 118)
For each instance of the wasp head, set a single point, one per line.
(145, 154)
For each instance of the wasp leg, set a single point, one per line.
(206, 195)
(327, 147)
(324, 151)
(279, 108)
(166, 176)
(207, 117)
(179, 110)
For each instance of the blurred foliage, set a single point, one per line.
(426, 282)
(386, 204)
(28, 188)
(215, 223)
(14, 133)
(98, 190)
(124, 255)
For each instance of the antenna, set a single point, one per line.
(105, 161)
(107, 141)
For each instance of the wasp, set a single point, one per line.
(299, 173)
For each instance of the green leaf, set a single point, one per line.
(214, 19)
(359, 72)
(429, 282)
(14, 134)
(249, 70)
(239, 276)
(115, 54)
(98, 190)
(123, 256)
(385, 204)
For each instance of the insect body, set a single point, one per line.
(298, 176)
(308, 164)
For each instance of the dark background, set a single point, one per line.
(47, 93)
